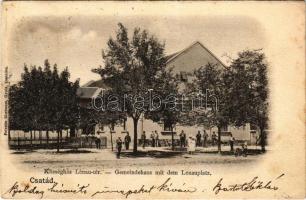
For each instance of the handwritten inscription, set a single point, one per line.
(60, 189)
(168, 185)
(254, 184)
(26, 189)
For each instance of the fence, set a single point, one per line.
(52, 143)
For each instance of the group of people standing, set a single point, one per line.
(198, 139)
(154, 137)
(191, 142)
(127, 141)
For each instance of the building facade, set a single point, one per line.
(183, 64)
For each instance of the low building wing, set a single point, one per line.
(88, 92)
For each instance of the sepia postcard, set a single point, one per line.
(152, 100)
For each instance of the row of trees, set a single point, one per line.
(44, 100)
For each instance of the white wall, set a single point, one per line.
(241, 133)
(148, 126)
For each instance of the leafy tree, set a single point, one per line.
(132, 67)
(169, 111)
(213, 79)
(17, 116)
(250, 91)
(90, 117)
(199, 116)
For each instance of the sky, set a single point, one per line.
(76, 41)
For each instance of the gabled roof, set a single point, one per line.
(99, 83)
(88, 83)
(88, 92)
(171, 57)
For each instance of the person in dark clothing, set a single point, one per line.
(156, 139)
(119, 147)
(153, 139)
(213, 138)
(245, 149)
(127, 140)
(183, 139)
(231, 142)
(98, 141)
(143, 138)
(205, 136)
(198, 136)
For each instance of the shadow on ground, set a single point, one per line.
(152, 154)
(250, 152)
(169, 154)
(23, 152)
(73, 151)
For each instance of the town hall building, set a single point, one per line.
(183, 64)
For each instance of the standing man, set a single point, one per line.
(198, 136)
(119, 146)
(153, 139)
(127, 140)
(183, 139)
(98, 141)
(143, 139)
(213, 138)
(205, 136)
(156, 139)
(231, 142)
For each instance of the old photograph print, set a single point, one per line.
(151, 100)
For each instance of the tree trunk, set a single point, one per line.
(72, 132)
(9, 134)
(111, 134)
(40, 137)
(18, 142)
(58, 141)
(219, 139)
(135, 122)
(172, 138)
(61, 136)
(262, 139)
(31, 140)
(47, 135)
